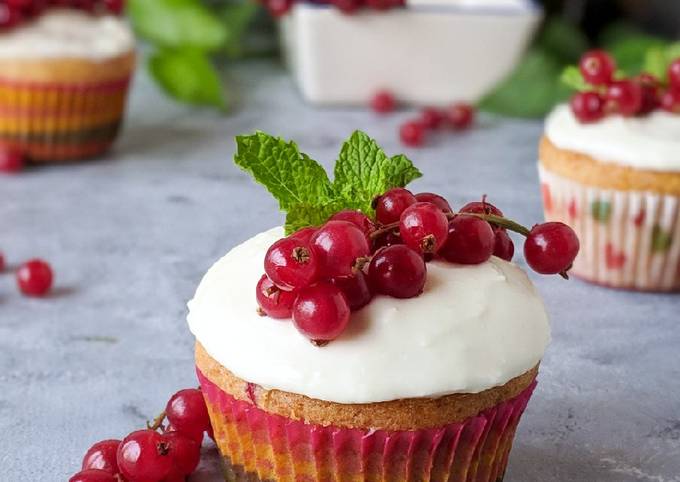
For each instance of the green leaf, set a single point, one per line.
(601, 211)
(363, 171)
(531, 90)
(659, 58)
(187, 75)
(300, 216)
(237, 17)
(177, 24)
(292, 177)
(562, 40)
(572, 77)
(661, 240)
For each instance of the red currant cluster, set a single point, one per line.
(278, 8)
(413, 132)
(160, 453)
(633, 96)
(318, 276)
(15, 12)
(34, 277)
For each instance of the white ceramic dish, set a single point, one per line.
(431, 52)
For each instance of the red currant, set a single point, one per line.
(397, 271)
(412, 133)
(504, 248)
(423, 227)
(274, 301)
(187, 413)
(481, 207)
(461, 116)
(175, 476)
(551, 248)
(278, 8)
(2, 263)
(186, 453)
(387, 238)
(436, 199)
(471, 241)
(93, 475)
(624, 97)
(116, 7)
(355, 288)
(587, 106)
(304, 234)
(670, 101)
(34, 277)
(383, 102)
(338, 246)
(321, 312)
(651, 98)
(431, 117)
(347, 7)
(102, 456)
(389, 206)
(380, 4)
(11, 160)
(291, 263)
(359, 219)
(597, 67)
(143, 456)
(10, 16)
(674, 74)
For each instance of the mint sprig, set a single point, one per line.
(301, 185)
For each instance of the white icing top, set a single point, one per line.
(650, 142)
(478, 5)
(67, 33)
(473, 328)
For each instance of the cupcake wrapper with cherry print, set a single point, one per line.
(260, 446)
(50, 122)
(629, 239)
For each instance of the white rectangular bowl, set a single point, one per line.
(424, 54)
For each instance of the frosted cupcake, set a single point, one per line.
(64, 77)
(352, 358)
(612, 171)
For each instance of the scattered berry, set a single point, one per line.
(383, 102)
(340, 246)
(423, 227)
(143, 456)
(587, 106)
(551, 248)
(291, 263)
(436, 199)
(597, 67)
(11, 160)
(412, 133)
(274, 302)
(397, 271)
(34, 277)
(624, 97)
(93, 475)
(102, 456)
(431, 117)
(187, 413)
(504, 248)
(461, 116)
(355, 288)
(470, 241)
(389, 206)
(321, 312)
(2, 263)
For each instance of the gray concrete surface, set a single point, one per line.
(129, 237)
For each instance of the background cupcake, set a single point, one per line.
(64, 76)
(610, 167)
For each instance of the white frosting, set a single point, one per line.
(479, 5)
(650, 142)
(66, 33)
(473, 328)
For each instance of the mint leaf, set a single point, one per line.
(177, 24)
(187, 75)
(658, 59)
(363, 171)
(293, 178)
(572, 77)
(237, 17)
(300, 216)
(563, 40)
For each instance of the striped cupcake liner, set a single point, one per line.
(260, 446)
(629, 239)
(51, 122)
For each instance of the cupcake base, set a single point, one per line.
(262, 446)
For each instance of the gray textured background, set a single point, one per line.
(130, 236)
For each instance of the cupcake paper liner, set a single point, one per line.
(261, 446)
(61, 121)
(629, 239)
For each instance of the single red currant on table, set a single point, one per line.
(2, 262)
(188, 414)
(550, 248)
(94, 475)
(587, 106)
(397, 271)
(34, 277)
(102, 456)
(389, 206)
(383, 102)
(274, 301)
(424, 227)
(470, 240)
(340, 247)
(11, 160)
(321, 312)
(431, 117)
(597, 67)
(412, 133)
(461, 116)
(291, 263)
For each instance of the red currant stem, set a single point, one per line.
(157, 422)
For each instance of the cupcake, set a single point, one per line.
(351, 358)
(610, 168)
(64, 77)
